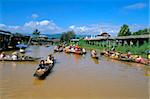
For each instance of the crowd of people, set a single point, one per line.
(14, 56)
(128, 57)
(74, 48)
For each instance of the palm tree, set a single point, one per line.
(36, 33)
(124, 31)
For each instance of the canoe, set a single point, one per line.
(78, 52)
(95, 57)
(19, 60)
(58, 50)
(102, 53)
(125, 59)
(41, 74)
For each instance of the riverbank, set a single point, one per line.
(136, 50)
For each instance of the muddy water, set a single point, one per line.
(73, 77)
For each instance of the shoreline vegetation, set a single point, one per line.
(138, 50)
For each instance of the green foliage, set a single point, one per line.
(138, 50)
(142, 32)
(67, 36)
(124, 31)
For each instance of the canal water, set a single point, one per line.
(73, 77)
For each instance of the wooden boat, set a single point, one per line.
(42, 74)
(20, 60)
(125, 59)
(95, 56)
(58, 50)
(78, 52)
(102, 53)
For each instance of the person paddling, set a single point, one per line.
(42, 64)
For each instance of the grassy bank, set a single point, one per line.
(138, 50)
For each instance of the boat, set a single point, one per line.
(58, 50)
(126, 59)
(20, 60)
(102, 53)
(42, 74)
(78, 52)
(22, 51)
(95, 56)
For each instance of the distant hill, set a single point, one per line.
(59, 35)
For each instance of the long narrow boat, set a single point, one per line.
(95, 56)
(78, 52)
(59, 50)
(19, 60)
(42, 74)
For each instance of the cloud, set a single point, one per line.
(45, 26)
(112, 29)
(2, 25)
(135, 6)
(94, 29)
(34, 16)
(49, 26)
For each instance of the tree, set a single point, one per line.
(124, 31)
(36, 33)
(67, 36)
(142, 32)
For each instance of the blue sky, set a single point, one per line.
(82, 16)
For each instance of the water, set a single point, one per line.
(73, 77)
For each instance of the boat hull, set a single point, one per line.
(45, 73)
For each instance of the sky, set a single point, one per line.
(82, 16)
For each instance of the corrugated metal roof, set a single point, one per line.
(119, 38)
(3, 33)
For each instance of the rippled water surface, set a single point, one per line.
(73, 77)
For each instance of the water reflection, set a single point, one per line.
(14, 65)
(77, 58)
(37, 82)
(96, 61)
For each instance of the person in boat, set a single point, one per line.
(83, 50)
(76, 47)
(129, 54)
(70, 46)
(50, 59)
(61, 49)
(148, 55)
(93, 53)
(139, 59)
(56, 48)
(2, 55)
(14, 57)
(42, 64)
(41, 67)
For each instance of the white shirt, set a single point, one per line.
(14, 57)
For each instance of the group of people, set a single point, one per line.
(129, 56)
(14, 56)
(74, 48)
(44, 63)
